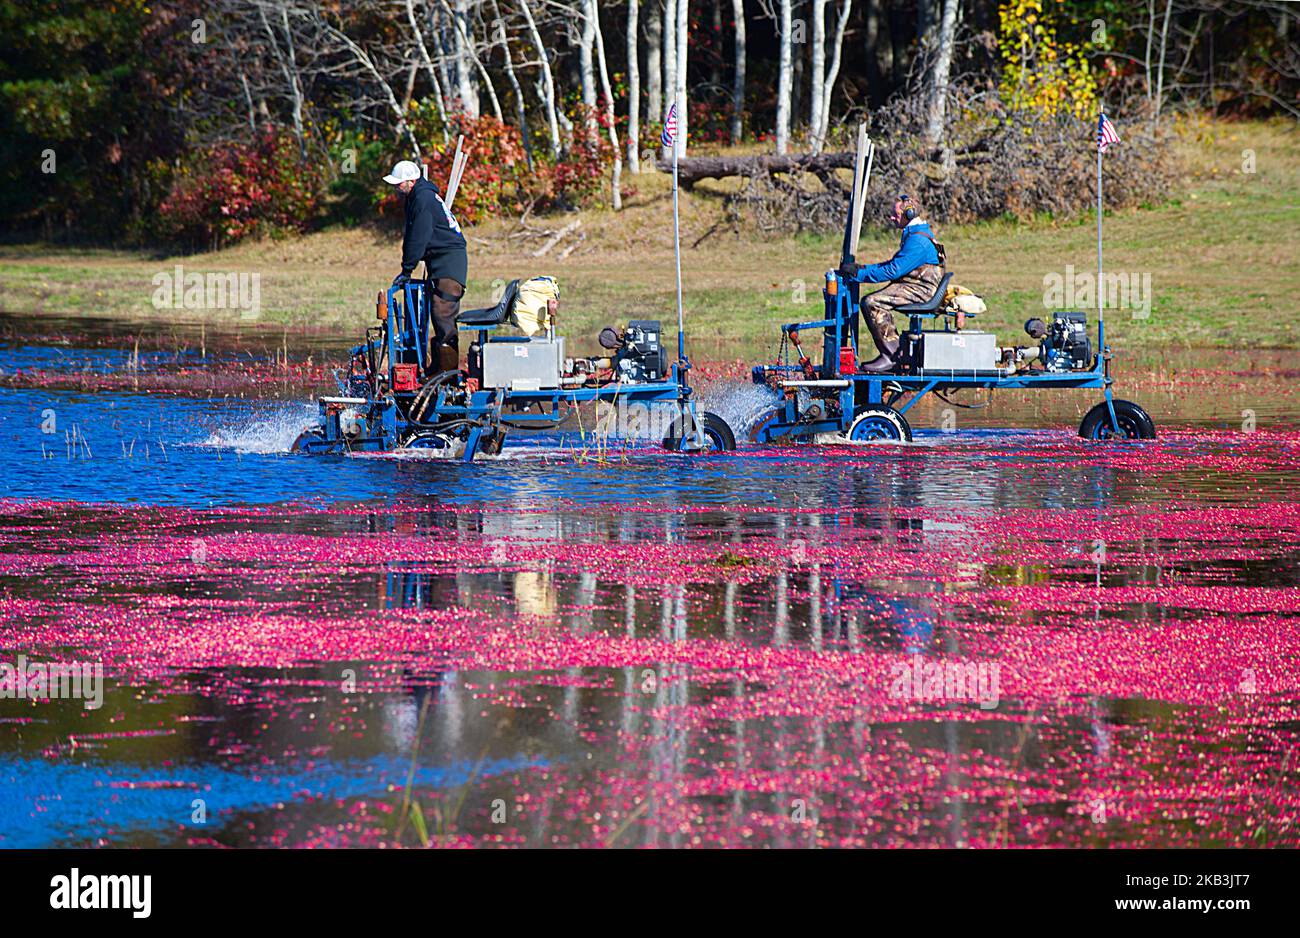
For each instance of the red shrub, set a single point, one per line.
(225, 192)
(497, 180)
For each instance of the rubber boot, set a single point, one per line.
(886, 361)
(448, 358)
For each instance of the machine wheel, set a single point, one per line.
(429, 439)
(761, 424)
(1134, 423)
(713, 434)
(307, 436)
(492, 441)
(879, 422)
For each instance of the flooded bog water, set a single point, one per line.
(991, 637)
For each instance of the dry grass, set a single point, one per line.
(1220, 257)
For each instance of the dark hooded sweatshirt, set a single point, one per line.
(431, 232)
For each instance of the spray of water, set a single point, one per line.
(272, 432)
(739, 403)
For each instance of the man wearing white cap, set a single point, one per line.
(432, 235)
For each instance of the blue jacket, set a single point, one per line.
(915, 248)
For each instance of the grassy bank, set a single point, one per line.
(1219, 254)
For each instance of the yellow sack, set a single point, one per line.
(532, 307)
(958, 297)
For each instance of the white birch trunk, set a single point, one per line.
(817, 87)
(633, 87)
(683, 46)
(828, 90)
(783, 84)
(586, 70)
(548, 78)
(465, 89)
(469, 59)
(938, 105)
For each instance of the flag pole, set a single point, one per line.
(677, 247)
(1101, 308)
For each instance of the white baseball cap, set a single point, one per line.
(403, 171)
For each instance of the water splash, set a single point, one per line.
(263, 432)
(741, 404)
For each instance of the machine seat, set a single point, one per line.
(491, 315)
(931, 306)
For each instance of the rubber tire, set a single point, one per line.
(305, 436)
(761, 423)
(425, 439)
(490, 443)
(715, 429)
(1134, 423)
(879, 422)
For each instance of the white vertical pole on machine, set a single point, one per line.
(866, 184)
(679, 144)
(453, 178)
(861, 176)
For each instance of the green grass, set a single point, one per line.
(1219, 253)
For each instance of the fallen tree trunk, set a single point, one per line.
(692, 169)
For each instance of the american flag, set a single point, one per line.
(669, 136)
(1106, 134)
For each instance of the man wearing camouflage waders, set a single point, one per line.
(913, 274)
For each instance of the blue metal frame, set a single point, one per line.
(404, 340)
(855, 390)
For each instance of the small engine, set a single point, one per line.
(1065, 344)
(638, 353)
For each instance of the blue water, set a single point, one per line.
(86, 802)
(200, 453)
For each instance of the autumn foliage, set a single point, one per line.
(498, 180)
(228, 191)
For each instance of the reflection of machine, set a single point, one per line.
(392, 399)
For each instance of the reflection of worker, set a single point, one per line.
(433, 236)
(913, 274)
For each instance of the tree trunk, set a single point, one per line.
(586, 72)
(1160, 80)
(616, 194)
(738, 79)
(467, 57)
(465, 89)
(654, 36)
(683, 46)
(818, 84)
(877, 52)
(691, 170)
(289, 69)
(1151, 32)
(824, 120)
(428, 66)
(548, 78)
(633, 87)
(783, 81)
(938, 104)
(521, 114)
